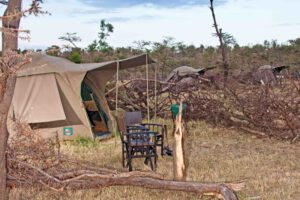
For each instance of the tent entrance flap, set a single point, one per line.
(97, 117)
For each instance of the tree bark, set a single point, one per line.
(199, 188)
(222, 46)
(94, 181)
(7, 84)
(11, 26)
(179, 167)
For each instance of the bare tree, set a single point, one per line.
(220, 34)
(9, 63)
(10, 25)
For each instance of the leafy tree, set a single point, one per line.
(93, 46)
(101, 44)
(274, 44)
(72, 38)
(295, 42)
(54, 50)
(142, 45)
(267, 44)
(105, 30)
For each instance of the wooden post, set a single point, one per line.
(179, 167)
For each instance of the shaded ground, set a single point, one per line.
(270, 168)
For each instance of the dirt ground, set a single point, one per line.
(269, 168)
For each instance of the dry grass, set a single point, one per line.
(270, 168)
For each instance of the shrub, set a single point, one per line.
(75, 57)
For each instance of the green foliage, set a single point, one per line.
(105, 30)
(170, 54)
(75, 57)
(143, 46)
(93, 46)
(85, 142)
(101, 44)
(228, 39)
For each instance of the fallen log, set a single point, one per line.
(94, 181)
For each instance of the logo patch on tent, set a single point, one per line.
(68, 131)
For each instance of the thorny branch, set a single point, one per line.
(264, 110)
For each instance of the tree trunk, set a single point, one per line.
(7, 85)
(178, 148)
(88, 180)
(11, 26)
(222, 46)
(199, 188)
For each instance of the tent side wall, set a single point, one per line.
(50, 104)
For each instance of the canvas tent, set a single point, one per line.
(55, 95)
(268, 74)
(184, 72)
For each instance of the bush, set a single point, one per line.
(75, 57)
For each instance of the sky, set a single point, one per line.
(188, 21)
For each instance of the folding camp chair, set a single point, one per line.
(137, 142)
(134, 120)
(141, 144)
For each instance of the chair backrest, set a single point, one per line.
(132, 118)
(142, 138)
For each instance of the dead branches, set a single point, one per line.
(262, 110)
(36, 162)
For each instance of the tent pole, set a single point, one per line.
(117, 97)
(155, 93)
(147, 77)
(117, 84)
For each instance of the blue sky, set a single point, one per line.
(188, 21)
(128, 3)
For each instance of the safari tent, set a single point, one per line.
(54, 95)
(186, 72)
(268, 74)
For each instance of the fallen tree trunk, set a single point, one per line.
(145, 180)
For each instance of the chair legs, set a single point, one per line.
(162, 145)
(148, 157)
(129, 160)
(123, 156)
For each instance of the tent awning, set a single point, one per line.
(43, 64)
